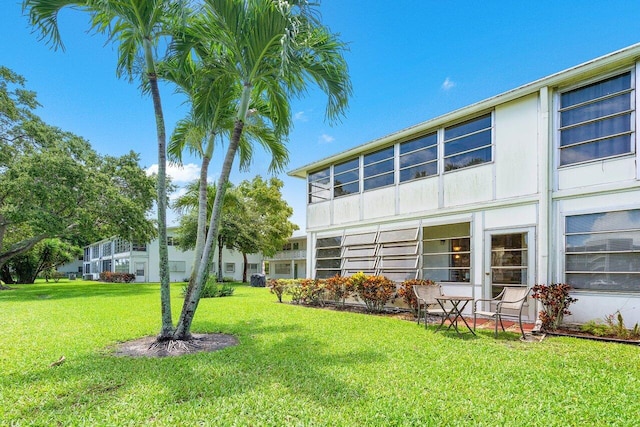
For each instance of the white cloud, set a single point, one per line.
(448, 84)
(300, 116)
(325, 139)
(185, 173)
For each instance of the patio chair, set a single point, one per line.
(510, 299)
(426, 296)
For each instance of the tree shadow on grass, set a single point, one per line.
(270, 361)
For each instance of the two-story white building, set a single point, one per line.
(290, 262)
(540, 184)
(119, 255)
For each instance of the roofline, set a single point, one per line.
(611, 60)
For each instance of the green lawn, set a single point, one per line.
(294, 366)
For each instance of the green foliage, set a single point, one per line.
(116, 277)
(54, 185)
(374, 291)
(613, 326)
(408, 296)
(555, 300)
(213, 289)
(303, 291)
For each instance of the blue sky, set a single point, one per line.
(409, 60)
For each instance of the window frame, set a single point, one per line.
(310, 183)
(490, 145)
(368, 178)
(424, 148)
(565, 253)
(356, 169)
(633, 94)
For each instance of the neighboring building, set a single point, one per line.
(118, 255)
(290, 262)
(539, 184)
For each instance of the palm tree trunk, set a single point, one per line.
(165, 295)
(244, 268)
(220, 247)
(183, 330)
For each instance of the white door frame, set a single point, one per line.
(531, 262)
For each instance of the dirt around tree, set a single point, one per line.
(149, 347)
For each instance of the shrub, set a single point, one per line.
(555, 299)
(111, 277)
(338, 288)
(211, 289)
(374, 291)
(278, 287)
(613, 326)
(305, 291)
(408, 296)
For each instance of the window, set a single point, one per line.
(121, 265)
(121, 246)
(177, 266)
(328, 257)
(138, 247)
(603, 251)
(447, 253)
(87, 268)
(467, 144)
(319, 186)
(419, 158)
(282, 268)
(229, 267)
(172, 241)
(140, 269)
(252, 268)
(87, 253)
(596, 120)
(346, 178)
(106, 265)
(95, 251)
(106, 249)
(378, 169)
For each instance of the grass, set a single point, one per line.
(294, 366)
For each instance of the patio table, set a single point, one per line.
(455, 312)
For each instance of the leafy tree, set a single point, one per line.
(272, 50)
(137, 27)
(54, 185)
(46, 256)
(265, 223)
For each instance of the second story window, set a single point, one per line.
(419, 157)
(596, 120)
(468, 143)
(378, 169)
(319, 186)
(346, 178)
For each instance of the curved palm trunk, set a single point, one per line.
(183, 330)
(165, 293)
(220, 246)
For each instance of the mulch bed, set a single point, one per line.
(149, 347)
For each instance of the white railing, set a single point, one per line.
(282, 255)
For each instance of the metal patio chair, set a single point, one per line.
(426, 295)
(510, 299)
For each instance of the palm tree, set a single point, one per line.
(137, 26)
(211, 117)
(272, 50)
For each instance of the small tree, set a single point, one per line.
(555, 300)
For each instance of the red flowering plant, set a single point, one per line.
(312, 291)
(338, 288)
(278, 287)
(407, 294)
(374, 291)
(555, 300)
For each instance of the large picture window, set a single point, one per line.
(603, 251)
(419, 158)
(346, 178)
(467, 144)
(596, 120)
(319, 186)
(378, 169)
